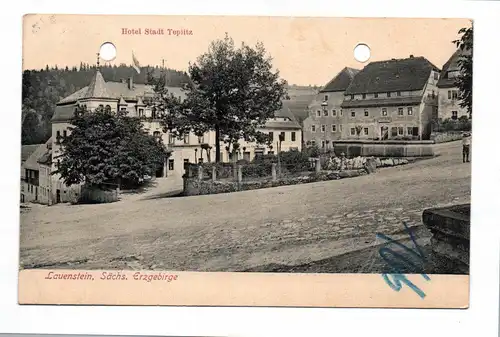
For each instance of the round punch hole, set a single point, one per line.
(362, 52)
(107, 51)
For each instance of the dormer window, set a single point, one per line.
(375, 95)
(363, 96)
(388, 94)
(398, 93)
(352, 96)
(141, 112)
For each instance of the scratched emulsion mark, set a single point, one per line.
(397, 262)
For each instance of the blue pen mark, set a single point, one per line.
(398, 262)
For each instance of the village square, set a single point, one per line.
(143, 173)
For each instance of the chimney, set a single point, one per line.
(411, 56)
(130, 83)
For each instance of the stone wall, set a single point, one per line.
(400, 149)
(193, 185)
(442, 137)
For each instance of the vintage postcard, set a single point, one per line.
(246, 161)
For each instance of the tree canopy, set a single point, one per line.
(103, 147)
(232, 91)
(464, 81)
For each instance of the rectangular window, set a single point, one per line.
(334, 128)
(313, 128)
(400, 131)
(282, 137)
(400, 112)
(367, 113)
(141, 112)
(123, 109)
(293, 136)
(394, 131)
(322, 144)
(170, 164)
(353, 131)
(364, 96)
(454, 115)
(384, 111)
(410, 131)
(201, 139)
(65, 133)
(323, 128)
(318, 113)
(271, 136)
(398, 93)
(454, 94)
(171, 139)
(388, 94)
(375, 95)
(449, 94)
(436, 76)
(58, 136)
(334, 112)
(410, 110)
(352, 96)
(353, 113)
(341, 113)
(340, 127)
(326, 97)
(365, 131)
(186, 139)
(325, 113)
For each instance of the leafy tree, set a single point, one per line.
(464, 80)
(231, 91)
(108, 148)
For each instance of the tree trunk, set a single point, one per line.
(217, 144)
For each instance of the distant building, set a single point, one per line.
(391, 99)
(324, 122)
(449, 102)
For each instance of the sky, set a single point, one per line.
(305, 50)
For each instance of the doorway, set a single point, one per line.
(58, 196)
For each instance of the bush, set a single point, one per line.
(461, 124)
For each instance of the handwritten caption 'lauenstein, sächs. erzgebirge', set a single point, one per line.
(111, 276)
(398, 262)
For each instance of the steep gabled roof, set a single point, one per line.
(32, 161)
(97, 87)
(284, 112)
(341, 81)
(451, 65)
(392, 75)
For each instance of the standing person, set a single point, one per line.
(465, 147)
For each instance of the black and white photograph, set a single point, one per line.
(200, 145)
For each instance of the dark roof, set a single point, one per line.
(392, 75)
(32, 161)
(451, 65)
(27, 150)
(362, 103)
(341, 81)
(98, 88)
